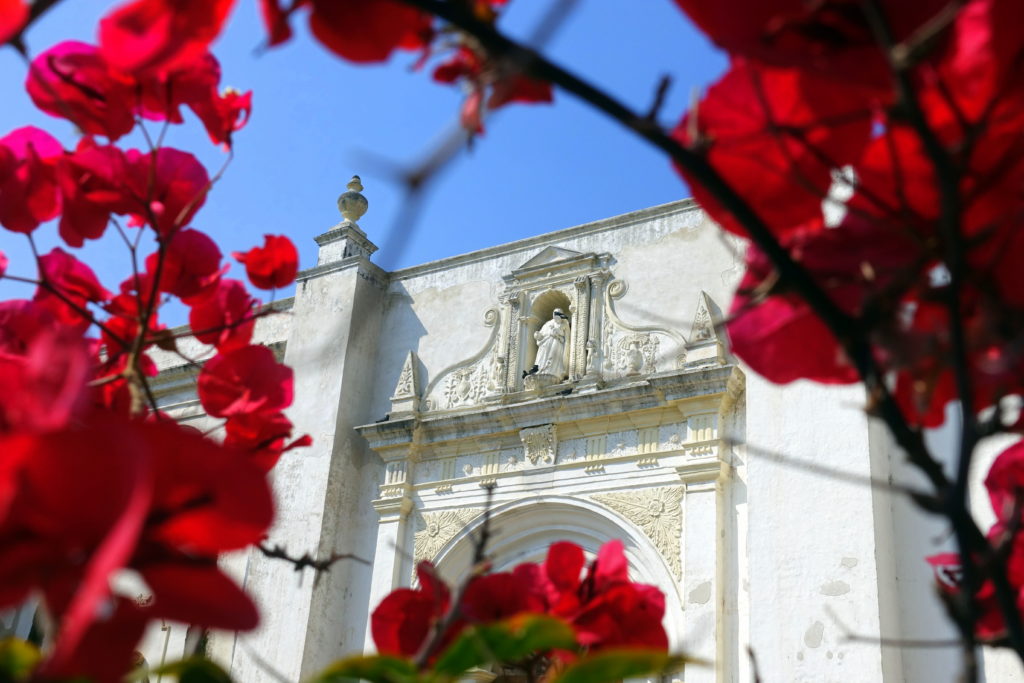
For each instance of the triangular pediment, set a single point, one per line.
(550, 255)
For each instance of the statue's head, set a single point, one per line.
(558, 313)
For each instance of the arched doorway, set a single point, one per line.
(522, 531)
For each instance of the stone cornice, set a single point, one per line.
(530, 243)
(622, 397)
(367, 269)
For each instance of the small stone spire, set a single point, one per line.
(351, 204)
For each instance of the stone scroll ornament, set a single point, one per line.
(658, 513)
(631, 350)
(468, 382)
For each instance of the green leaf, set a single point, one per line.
(615, 665)
(374, 668)
(508, 641)
(194, 670)
(18, 658)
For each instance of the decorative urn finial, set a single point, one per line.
(352, 204)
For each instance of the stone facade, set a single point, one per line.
(415, 386)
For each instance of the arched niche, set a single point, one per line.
(523, 530)
(540, 312)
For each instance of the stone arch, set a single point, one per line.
(540, 312)
(522, 530)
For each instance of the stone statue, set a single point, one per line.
(497, 381)
(634, 359)
(591, 365)
(551, 340)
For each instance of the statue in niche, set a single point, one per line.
(551, 341)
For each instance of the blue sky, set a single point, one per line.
(317, 120)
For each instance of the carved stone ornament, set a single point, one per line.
(435, 529)
(705, 347)
(658, 513)
(406, 396)
(629, 350)
(540, 444)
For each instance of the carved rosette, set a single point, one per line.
(435, 529)
(658, 513)
(540, 444)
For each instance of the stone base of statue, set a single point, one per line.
(540, 381)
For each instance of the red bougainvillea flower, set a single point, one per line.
(604, 607)
(152, 36)
(196, 84)
(44, 366)
(246, 380)
(28, 178)
(831, 36)
(225, 318)
(369, 30)
(222, 115)
(1005, 482)
(76, 286)
(13, 15)
(91, 183)
(775, 135)
(162, 96)
(471, 67)
(403, 619)
(71, 80)
(191, 266)
(990, 625)
(357, 30)
(108, 493)
(168, 186)
(264, 437)
(273, 265)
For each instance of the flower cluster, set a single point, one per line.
(921, 107)
(873, 153)
(1005, 484)
(95, 483)
(362, 31)
(605, 609)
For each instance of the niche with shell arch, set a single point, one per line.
(540, 312)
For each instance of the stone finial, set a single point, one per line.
(352, 204)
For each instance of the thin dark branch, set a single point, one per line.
(278, 552)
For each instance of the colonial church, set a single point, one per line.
(582, 375)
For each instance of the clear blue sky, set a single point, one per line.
(538, 168)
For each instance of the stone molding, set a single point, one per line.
(540, 241)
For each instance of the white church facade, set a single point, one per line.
(621, 415)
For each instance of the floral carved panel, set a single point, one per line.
(658, 513)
